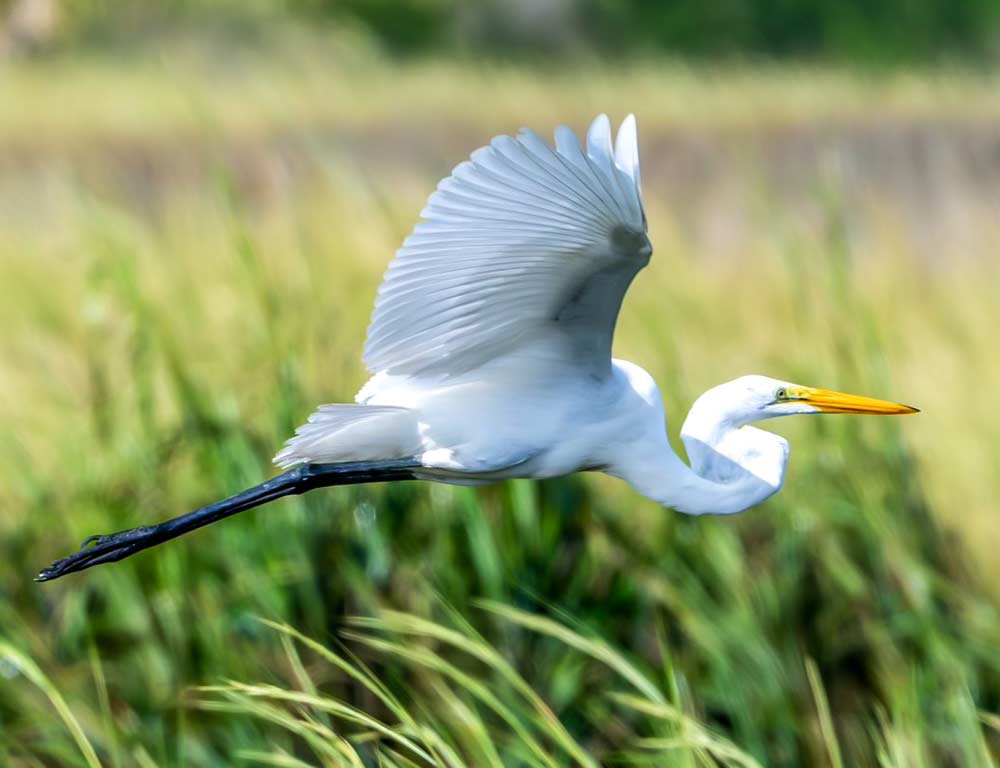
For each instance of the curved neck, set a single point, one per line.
(733, 466)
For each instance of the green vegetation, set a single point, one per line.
(188, 256)
(890, 32)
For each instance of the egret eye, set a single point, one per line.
(781, 394)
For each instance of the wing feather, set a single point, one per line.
(522, 243)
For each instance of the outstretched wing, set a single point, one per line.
(521, 244)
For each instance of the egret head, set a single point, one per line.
(755, 398)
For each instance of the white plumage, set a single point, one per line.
(506, 242)
(490, 343)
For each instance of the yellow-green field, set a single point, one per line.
(189, 250)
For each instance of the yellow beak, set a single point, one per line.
(829, 401)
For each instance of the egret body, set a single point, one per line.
(490, 354)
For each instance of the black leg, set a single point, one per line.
(117, 546)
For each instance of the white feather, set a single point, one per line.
(345, 432)
(507, 241)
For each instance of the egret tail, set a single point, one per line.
(117, 546)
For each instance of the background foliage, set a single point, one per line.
(193, 221)
(890, 32)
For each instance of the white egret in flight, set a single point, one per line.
(490, 354)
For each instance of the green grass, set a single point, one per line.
(181, 284)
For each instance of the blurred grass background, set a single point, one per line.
(197, 202)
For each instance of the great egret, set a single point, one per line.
(490, 354)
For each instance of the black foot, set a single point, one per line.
(100, 549)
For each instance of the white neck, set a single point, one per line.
(733, 466)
